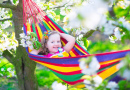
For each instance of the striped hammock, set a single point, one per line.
(66, 68)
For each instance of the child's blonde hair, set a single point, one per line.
(45, 50)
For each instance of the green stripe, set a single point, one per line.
(34, 30)
(70, 78)
(107, 67)
(112, 76)
(47, 28)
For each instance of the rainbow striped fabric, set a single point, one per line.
(66, 68)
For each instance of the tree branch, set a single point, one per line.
(8, 56)
(6, 19)
(88, 34)
(4, 5)
(59, 6)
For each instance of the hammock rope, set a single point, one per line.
(66, 68)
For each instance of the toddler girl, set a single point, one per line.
(51, 44)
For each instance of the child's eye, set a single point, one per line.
(58, 41)
(52, 42)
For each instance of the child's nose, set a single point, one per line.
(56, 43)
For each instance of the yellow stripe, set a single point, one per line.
(39, 31)
(80, 86)
(110, 61)
(72, 54)
(63, 43)
(108, 72)
(29, 30)
(59, 68)
(48, 25)
(52, 26)
(80, 50)
(28, 27)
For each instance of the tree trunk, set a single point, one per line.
(23, 65)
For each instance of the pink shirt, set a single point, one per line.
(61, 53)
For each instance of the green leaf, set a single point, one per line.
(32, 34)
(14, 1)
(122, 84)
(37, 45)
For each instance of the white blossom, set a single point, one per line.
(93, 67)
(58, 86)
(102, 21)
(108, 28)
(121, 64)
(8, 69)
(22, 35)
(27, 37)
(5, 24)
(2, 69)
(31, 47)
(24, 45)
(62, 11)
(28, 43)
(97, 80)
(112, 85)
(126, 74)
(82, 65)
(112, 39)
(23, 41)
(117, 33)
(13, 73)
(88, 71)
(125, 23)
(88, 85)
(92, 21)
(94, 64)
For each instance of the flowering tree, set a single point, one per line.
(79, 17)
(9, 44)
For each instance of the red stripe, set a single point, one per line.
(111, 52)
(75, 82)
(31, 29)
(67, 73)
(81, 48)
(76, 54)
(37, 34)
(62, 65)
(107, 64)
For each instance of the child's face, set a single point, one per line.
(53, 43)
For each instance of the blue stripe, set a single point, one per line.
(112, 56)
(100, 58)
(42, 27)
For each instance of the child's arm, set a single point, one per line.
(71, 41)
(35, 51)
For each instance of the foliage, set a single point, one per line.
(45, 78)
(6, 69)
(105, 46)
